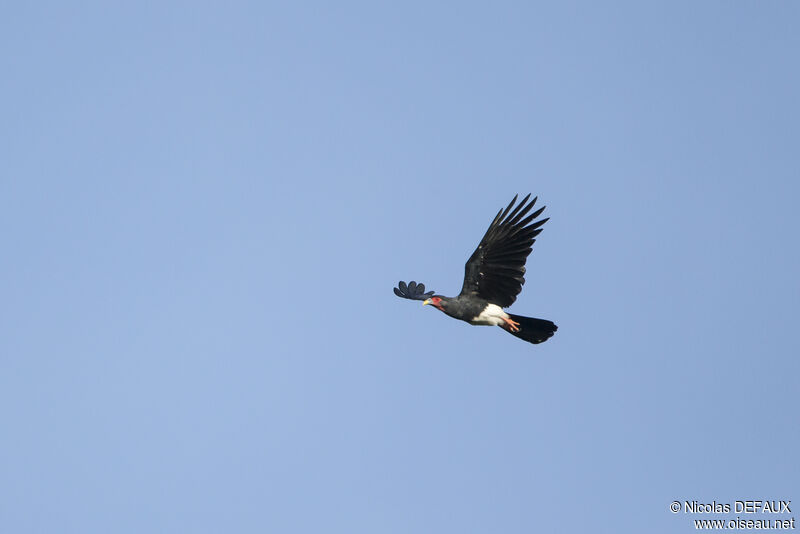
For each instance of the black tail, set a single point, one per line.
(533, 330)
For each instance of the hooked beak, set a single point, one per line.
(426, 301)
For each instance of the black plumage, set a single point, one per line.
(494, 275)
(496, 269)
(412, 291)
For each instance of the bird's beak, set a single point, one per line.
(426, 301)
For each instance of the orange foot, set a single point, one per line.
(513, 326)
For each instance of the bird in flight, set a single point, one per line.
(493, 276)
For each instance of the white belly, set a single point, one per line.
(492, 315)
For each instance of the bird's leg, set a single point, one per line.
(513, 326)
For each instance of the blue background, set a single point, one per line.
(204, 208)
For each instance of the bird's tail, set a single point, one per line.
(533, 330)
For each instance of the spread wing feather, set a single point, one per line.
(412, 291)
(496, 269)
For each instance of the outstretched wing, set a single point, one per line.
(413, 291)
(495, 270)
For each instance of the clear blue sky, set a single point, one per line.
(204, 209)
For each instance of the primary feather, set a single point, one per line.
(495, 271)
(412, 291)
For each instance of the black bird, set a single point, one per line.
(493, 276)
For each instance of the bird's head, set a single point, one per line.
(436, 301)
